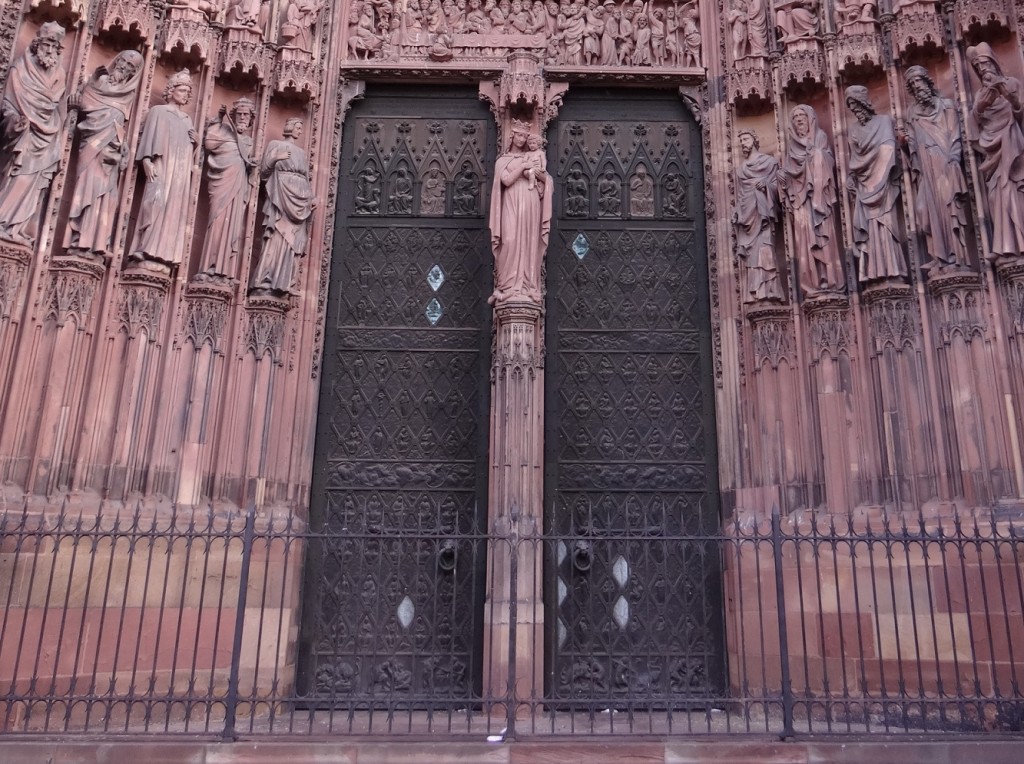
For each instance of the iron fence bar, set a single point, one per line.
(780, 602)
(231, 699)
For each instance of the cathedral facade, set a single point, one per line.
(541, 359)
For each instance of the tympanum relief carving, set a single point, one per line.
(570, 33)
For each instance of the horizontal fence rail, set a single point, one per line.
(188, 623)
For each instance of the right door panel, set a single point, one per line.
(634, 591)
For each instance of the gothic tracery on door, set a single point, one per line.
(394, 584)
(633, 591)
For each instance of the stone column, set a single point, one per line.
(514, 610)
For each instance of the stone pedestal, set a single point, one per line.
(830, 340)
(514, 610)
(909, 446)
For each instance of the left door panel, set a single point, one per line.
(396, 565)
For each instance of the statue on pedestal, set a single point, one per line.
(796, 20)
(935, 145)
(807, 179)
(229, 178)
(756, 217)
(749, 20)
(287, 211)
(520, 219)
(997, 135)
(33, 115)
(104, 107)
(874, 184)
(167, 153)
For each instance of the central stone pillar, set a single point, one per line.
(514, 611)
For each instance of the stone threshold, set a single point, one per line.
(628, 751)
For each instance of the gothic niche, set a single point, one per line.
(570, 33)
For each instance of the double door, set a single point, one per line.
(395, 594)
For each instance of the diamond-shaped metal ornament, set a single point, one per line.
(434, 311)
(435, 277)
(580, 246)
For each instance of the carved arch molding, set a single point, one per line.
(401, 464)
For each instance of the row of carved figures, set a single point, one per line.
(803, 185)
(297, 18)
(575, 32)
(800, 20)
(33, 118)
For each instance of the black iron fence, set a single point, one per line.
(191, 623)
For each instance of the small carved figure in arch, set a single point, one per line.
(641, 193)
(432, 193)
(609, 190)
(400, 200)
(367, 200)
(674, 199)
(577, 194)
(466, 191)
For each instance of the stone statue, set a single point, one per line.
(243, 14)
(807, 180)
(104, 108)
(749, 19)
(520, 219)
(33, 114)
(849, 13)
(874, 183)
(996, 134)
(287, 210)
(934, 142)
(796, 20)
(674, 196)
(167, 153)
(756, 217)
(229, 178)
(297, 24)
